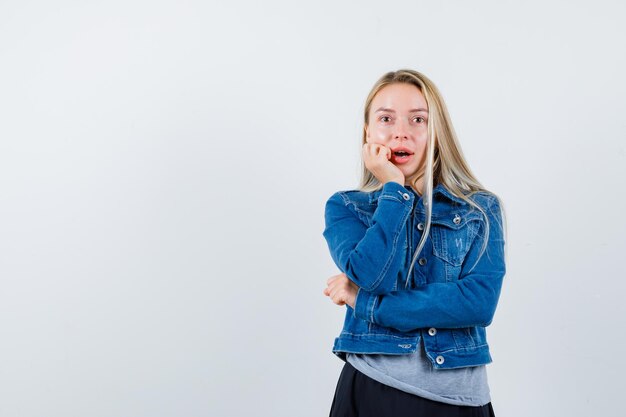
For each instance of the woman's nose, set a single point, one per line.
(401, 131)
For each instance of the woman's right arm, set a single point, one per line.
(370, 257)
(471, 300)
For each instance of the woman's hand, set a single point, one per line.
(377, 160)
(341, 290)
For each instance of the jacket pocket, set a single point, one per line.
(453, 235)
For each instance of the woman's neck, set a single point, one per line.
(418, 188)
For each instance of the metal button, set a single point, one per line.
(439, 359)
(406, 196)
(422, 261)
(432, 331)
(420, 226)
(457, 219)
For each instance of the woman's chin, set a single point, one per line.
(408, 172)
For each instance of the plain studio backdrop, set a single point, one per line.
(163, 173)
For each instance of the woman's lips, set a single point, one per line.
(396, 159)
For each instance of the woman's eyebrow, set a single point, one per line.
(393, 111)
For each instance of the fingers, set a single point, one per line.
(370, 150)
(335, 277)
(338, 295)
(376, 149)
(337, 289)
(382, 150)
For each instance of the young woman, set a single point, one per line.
(421, 248)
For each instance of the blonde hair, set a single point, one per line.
(445, 163)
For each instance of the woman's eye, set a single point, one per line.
(385, 119)
(419, 119)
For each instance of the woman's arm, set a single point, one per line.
(469, 301)
(370, 257)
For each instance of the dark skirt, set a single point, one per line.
(358, 395)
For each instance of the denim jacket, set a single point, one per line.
(452, 294)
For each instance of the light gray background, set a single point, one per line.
(163, 173)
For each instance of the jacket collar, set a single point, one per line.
(442, 190)
(439, 189)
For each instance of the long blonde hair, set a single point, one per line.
(445, 163)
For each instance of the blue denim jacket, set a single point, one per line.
(447, 303)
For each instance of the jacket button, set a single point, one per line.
(457, 219)
(406, 196)
(439, 359)
(422, 261)
(432, 331)
(420, 226)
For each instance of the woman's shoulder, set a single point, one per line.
(483, 203)
(355, 196)
(490, 203)
(486, 197)
(482, 198)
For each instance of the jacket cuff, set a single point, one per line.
(394, 191)
(364, 305)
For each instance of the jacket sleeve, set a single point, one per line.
(369, 256)
(469, 301)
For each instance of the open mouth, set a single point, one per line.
(400, 157)
(401, 154)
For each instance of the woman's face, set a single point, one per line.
(398, 119)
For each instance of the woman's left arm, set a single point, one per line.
(469, 301)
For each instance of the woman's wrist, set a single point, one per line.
(398, 180)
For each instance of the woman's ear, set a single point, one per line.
(367, 134)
